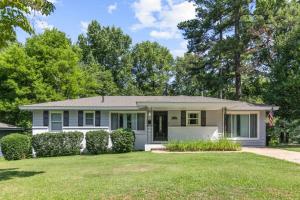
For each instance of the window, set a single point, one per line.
(56, 121)
(193, 118)
(241, 125)
(89, 118)
(134, 121)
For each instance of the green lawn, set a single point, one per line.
(144, 175)
(290, 147)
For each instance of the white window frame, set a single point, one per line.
(129, 112)
(84, 118)
(62, 120)
(188, 118)
(244, 113)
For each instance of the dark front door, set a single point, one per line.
(160, 126)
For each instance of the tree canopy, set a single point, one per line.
(152, 68)
(246, 50)
(14, 14)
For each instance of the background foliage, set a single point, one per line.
(245, 50)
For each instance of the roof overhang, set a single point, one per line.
(29, 107)
(234, 106)
(10, 128)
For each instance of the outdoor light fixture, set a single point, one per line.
(149, 117)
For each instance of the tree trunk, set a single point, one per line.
(237, 54)
(220, 59)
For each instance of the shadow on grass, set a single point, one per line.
(10, 173)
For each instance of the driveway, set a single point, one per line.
(275, 153)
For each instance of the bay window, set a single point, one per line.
(241, 125)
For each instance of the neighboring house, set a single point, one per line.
(156, 119)
(6, 129)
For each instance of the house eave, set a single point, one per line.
(28, 107)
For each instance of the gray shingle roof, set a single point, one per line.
(4, 126)
(128, 101)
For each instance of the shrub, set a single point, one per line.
(122, 140)
(15, 146)
(57, 144)
(96, 141)
(273, 141)
(203, 145)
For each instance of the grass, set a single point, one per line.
(202, 145)
(144, 175)
(289, 147)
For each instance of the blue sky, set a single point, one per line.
(153, 20)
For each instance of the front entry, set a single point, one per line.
(160, 126)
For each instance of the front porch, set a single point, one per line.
(165, 125)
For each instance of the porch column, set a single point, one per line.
(149, 124)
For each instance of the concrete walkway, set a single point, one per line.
(275, 153)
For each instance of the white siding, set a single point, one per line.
(37, 118)
(176, 115)
(73, 118)
(212, 130)
(214, 118)
(193, 133)
(104, 118)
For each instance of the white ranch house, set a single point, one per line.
(156, 119)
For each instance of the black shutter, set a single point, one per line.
(183, 118)
(121, 121)
(80, 118)
(97, 118)
(46, 118)
(203, 118)
(66, 118)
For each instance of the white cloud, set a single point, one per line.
(181, 50)
(112, 8)
(176, 13)
(145, 13)
(163, 34)
(42, 24)
(84, 26)
(183, 44)
(162, 16)
(178, 52)
(53, 1)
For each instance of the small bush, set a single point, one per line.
(203, 145)
(57, 144)
(274, 141)
(96, 141)
(15, 146)
(122, 140)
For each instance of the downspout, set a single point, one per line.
(223, 120)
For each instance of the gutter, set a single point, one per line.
(112, 108)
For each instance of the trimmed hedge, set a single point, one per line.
(122, 140)
(203, 145)
(15, 146)
(57, 144)
(97, 141)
